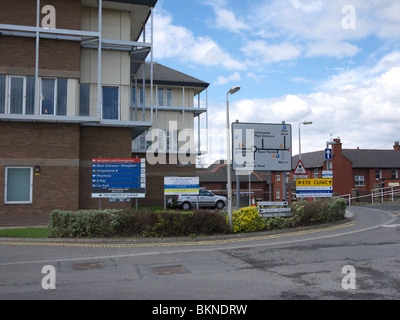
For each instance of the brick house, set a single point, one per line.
(66, 71)
(355, 171)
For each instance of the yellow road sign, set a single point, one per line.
(314, 183)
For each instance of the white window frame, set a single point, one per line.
(23, 94)
(5, 186)
(358, 180)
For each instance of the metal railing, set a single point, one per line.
(378, 195)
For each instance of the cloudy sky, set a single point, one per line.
(336, 63)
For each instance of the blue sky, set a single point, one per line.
(336, 63)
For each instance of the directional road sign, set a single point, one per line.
(328, 154)
(260, 147)
(118, 178)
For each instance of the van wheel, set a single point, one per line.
(220, 205)
(185, 206)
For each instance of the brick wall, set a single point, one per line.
(17, 54)
(100, 142)
(55, 148)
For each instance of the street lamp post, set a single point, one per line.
(228, 151)
(304, 123)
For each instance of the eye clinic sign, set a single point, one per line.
(314, 188)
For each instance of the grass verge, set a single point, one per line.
(33, 233)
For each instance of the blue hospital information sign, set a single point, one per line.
(118, 178)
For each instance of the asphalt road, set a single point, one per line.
(355, 259)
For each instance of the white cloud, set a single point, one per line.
(317, 25)
(173, 41)
(361, 106)
(225, 19)
(233, 77)
(269, 53)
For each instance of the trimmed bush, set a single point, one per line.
(247, 220)
(304, 214)
(126, 223)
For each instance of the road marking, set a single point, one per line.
(174, 244)
(391, 226)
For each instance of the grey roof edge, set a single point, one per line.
(164, 75)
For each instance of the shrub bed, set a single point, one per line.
(304, 214)
(148, 223)
(127, 223)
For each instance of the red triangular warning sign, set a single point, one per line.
(300, 169)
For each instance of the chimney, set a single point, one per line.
(396, 146)
(337, 147)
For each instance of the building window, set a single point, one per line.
(84, 100)
(2, 93)
(316, 174)
(18, 185)
(110, 103)
(169, 98)
(134, 97)
(54, 97)
(48, 96)
(160, 97)
(30, 95)
(378, 174)
(16, 95)
(360, 181)
(62, 85)
(278, 194)
(278, 177)
(395, 174)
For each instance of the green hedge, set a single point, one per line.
(127, 223)
(304, 214)
(148, 223)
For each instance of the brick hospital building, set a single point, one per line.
(67, 68)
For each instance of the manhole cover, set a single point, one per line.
(168, 270)
(88, 266)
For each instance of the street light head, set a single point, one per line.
(307, 122)
(234, 90)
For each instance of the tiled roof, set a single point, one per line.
(378, 159)
(217, 173)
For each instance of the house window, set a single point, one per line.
(378, 174)
(18, 185)
(360, 181)
(395, 174)
(111, 103)
(2, 93)
(84, 100)
(54, 97)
